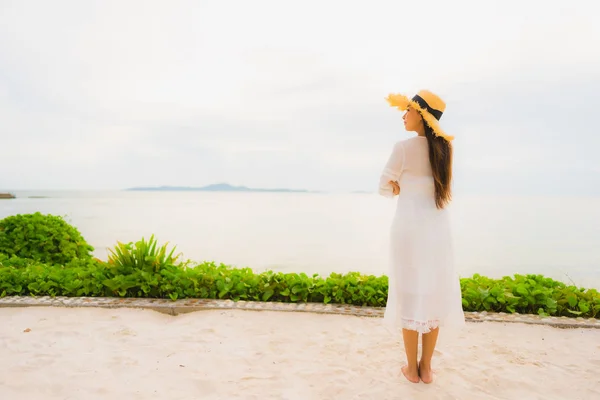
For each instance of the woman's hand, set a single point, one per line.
(395, 187)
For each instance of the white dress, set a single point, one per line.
(424, 289)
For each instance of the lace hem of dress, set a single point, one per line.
(420, 326)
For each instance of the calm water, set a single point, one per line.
(333, 232)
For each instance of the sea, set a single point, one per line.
(321, 233)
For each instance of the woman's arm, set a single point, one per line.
(388, 180)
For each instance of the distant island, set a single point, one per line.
(219, 187)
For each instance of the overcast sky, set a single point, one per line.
(114, 94)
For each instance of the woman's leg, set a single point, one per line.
(429, 341)
(411, 343)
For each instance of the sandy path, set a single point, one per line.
(81, 354)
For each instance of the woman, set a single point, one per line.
(424, 290)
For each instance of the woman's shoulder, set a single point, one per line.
(416, 141)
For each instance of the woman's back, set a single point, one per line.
(416, 157)
(416, 176)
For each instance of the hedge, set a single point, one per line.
(526, 294)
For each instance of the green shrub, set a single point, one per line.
(527, 294)
(137, 269)
(77, 278)
(44, 238)
(208, 280)
(142, 255)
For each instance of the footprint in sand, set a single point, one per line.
(125, 332)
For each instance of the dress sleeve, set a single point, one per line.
(392, 170)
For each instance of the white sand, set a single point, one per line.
(81, 354)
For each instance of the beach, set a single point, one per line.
(56, 353)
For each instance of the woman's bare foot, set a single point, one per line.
(425, 373)
(410, 375)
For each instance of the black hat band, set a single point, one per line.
(421, 102)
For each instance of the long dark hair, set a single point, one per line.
(440, 158)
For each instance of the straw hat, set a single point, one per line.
(430, 106)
